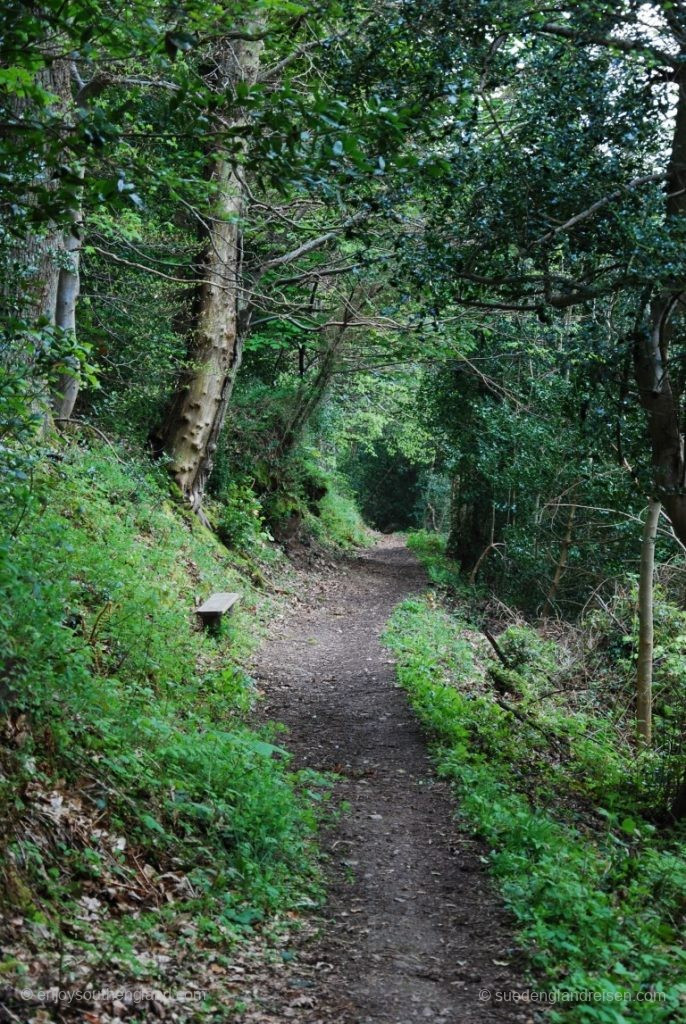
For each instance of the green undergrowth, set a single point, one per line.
(338, 520)
(598, 893)
(128, 753)
(304, 500)
(430, 549)
(321, 501)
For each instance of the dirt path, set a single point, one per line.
(413, 930)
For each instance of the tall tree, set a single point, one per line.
(198, 410)
(552, 174)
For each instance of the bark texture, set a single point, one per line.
(644, 675)
(68, 288)
(657, 391)
(198, 410)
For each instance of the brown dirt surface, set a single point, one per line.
(412, 929)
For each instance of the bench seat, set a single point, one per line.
(216, 606)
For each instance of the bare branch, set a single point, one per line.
(585, 214)
(314, 243)
(188, 281)
(243, 34)
(102, 79)
(275, 70)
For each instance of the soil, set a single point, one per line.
(412, 930)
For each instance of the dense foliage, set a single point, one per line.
(268, 265)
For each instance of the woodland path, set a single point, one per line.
(412, 929)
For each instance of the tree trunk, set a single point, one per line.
(311, 394)
(451, 547)
(68, 288)
(644, 677)
(651, 353)
(661, 402)
(472, 522)
(198, 411)
(36, 257)
(561, 563)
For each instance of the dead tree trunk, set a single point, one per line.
(644, 675)
(198, 410)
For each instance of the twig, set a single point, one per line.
(585, 214)
(96, 430)
(494, 644)
(558, 741)
(10, 1014)
(482, 556)
(563, 689)
(105, 607)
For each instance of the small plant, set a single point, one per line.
(240, 523)
(443, 572)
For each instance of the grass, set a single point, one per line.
(598, 894)
(430, 548)
(129, 753)
(338, 520)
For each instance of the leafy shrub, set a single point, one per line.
(240, 524)
(524, 648)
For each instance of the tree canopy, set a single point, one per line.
(414, 264)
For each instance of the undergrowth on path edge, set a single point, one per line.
(596, 912)
(136, 794)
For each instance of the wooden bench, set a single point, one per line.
(215, 607)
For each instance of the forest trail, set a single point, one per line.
(412, 929)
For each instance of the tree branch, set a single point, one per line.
(585, 214)
(314, 243)
(610, 42)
